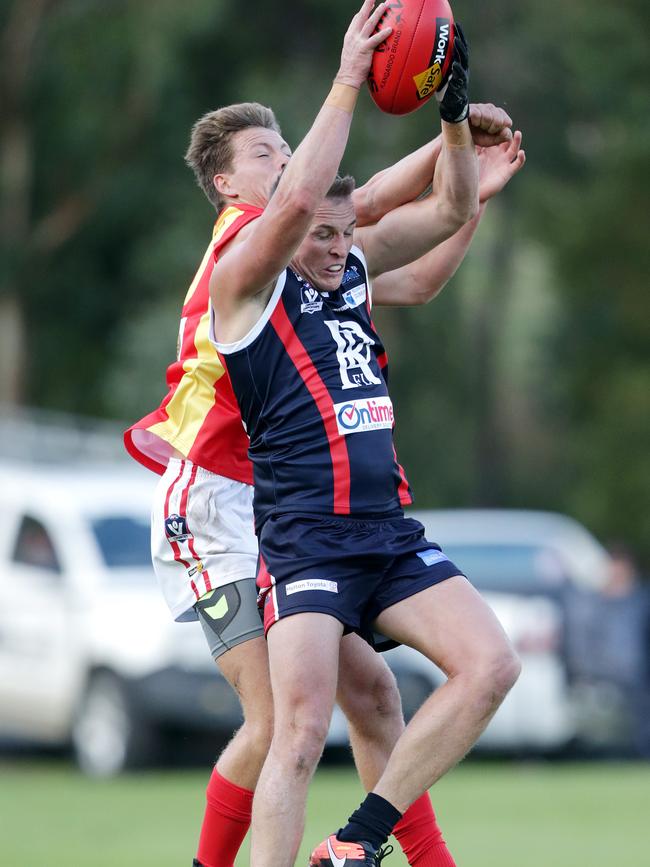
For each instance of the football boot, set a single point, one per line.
(337, 853)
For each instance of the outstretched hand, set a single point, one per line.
(362, 37)
(497, 164)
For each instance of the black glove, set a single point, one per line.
(454, 103)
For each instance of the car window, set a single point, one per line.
(124, 540)
(514, 568)
(34, 546)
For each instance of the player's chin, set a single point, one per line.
(331, 280)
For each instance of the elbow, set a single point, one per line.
(304, 202)
(425, 296)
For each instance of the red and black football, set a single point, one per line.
(415, 60)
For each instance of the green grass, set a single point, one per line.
(511, 815)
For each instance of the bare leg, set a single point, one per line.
(368, 696)
(246, 669)
(451, 625)
(303, 656)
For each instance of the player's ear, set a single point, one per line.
(223, 185)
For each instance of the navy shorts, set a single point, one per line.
(352, 569)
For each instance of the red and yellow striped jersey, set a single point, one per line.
(199, 416)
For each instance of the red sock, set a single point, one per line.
(225, 823)
(421, 838)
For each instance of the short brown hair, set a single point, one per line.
(342, 187)
(211, 152)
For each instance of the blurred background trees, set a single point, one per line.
(527, 383)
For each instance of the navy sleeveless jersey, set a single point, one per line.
(310, 379)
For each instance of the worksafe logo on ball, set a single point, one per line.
(429, 80)
(369, 413)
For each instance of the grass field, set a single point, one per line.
(493, 815)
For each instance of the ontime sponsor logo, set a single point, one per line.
(364, 414)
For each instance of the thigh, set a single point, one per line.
(450, 623)
(246, 668)
(229, 616)
(303, 660)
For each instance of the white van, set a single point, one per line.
(89, 653)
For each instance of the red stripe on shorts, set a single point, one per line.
(174, 545)
(266, 585)
(190, 541)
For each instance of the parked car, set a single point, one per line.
(533, 569)
(89, 654)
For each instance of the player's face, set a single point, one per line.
(259, 158)
(320, 259)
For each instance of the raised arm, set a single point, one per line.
(409, 178)
(407, 232)
(420, 281)
(257, 256)
(397, 184)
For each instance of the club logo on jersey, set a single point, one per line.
(311, 299)
(351, 273)
(368, 413)
(176, 528)
(353, 353)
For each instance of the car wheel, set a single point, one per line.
(107, 737)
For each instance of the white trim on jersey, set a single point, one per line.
(256, 330)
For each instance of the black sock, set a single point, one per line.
(373, 822)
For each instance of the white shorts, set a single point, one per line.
(202, 534)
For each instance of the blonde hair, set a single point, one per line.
(211, 151)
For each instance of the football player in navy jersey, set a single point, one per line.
(336, 552)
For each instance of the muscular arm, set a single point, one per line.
(257, 256)
(397, 184)
(411, 176)
(422, 280)
(408, 232)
